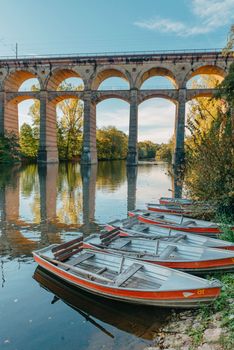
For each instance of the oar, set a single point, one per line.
(85, 315)
(88, 318)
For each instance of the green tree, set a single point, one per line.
(9, 148)
(165, 151)
(147, 149)
(28, 141)
(69, 123)
(34, 110)
(111, 143)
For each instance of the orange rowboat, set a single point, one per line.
(175, 201)
(197, 260)
(120, 278)
(177, 222)
(133, 227)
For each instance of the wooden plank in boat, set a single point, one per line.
(65, 255)
(142, 228)
(167, 252)
(67, 244)
(107, 238)
(103, 269)
(121, 244)
(128, 273)
(81, 258)
(189, 222)
(177, 238)
(108, 233)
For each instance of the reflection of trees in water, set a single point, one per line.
(29, 181)
(111, 174)
(8, 175)
(69, 194)
(30, 187)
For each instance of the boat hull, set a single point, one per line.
(169, 211)
(207, 231)
(187, 298)
(173, 201)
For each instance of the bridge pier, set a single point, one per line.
(2, 101)
(48, 151)
(132, 185)
(89, 178)
(132, 157)
(178, 157)
(89, 151)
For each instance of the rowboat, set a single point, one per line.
(172, 201)
(133, 227)
(197, 260)
(138, 320)
(169, 209)
(177, 222)
(124, 279)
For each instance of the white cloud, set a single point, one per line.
(155, 120)
(209, 15)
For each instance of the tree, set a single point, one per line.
(28, 141)
(34, 110)
(209, 149)
(69, 123)
(230, 42)
(70, 127)
(111, 143)
(165, 151)
(9, 148)
(147, 149)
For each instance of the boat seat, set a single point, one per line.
(160, 216)
(128, 273)
(189, 222)
(177, 238)
(142, 228)
(121, 244)
(81, 258)
(167, 252)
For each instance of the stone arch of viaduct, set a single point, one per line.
(135, 69)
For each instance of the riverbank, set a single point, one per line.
(208, 328)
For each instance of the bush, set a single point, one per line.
(9, 148)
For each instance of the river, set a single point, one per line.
(50, 204)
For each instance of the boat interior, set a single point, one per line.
(156, 249)
(116, 270)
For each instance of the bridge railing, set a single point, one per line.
(112, 53)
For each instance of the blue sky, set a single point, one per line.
(75, 26)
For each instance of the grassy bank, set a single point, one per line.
(220, 315)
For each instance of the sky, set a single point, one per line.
(75, 26)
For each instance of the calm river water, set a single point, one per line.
(43, 205)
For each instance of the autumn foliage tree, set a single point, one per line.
(29, 141)
(209, 148)
(111, 143)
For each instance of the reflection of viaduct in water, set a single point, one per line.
(47, 226)
(89, 178)
(179, 67)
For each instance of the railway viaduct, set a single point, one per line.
(135, 68)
